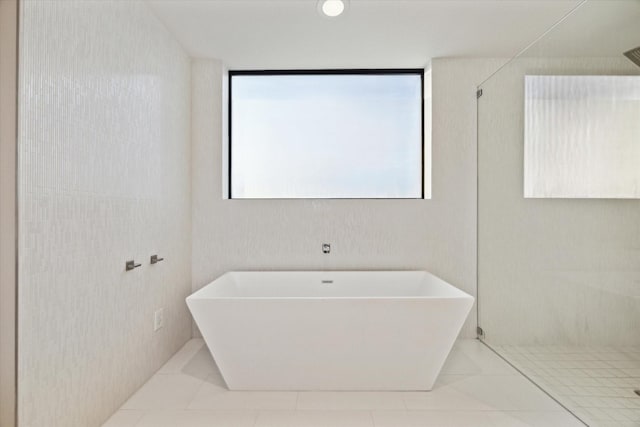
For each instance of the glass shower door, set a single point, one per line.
(559, 213)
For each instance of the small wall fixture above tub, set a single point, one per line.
(634, 55)
(130, 265)
(155, 259)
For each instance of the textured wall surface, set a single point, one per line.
(437, 235)
(104, 160)
(551, 271)
(8, 232)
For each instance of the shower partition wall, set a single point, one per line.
(559, 214)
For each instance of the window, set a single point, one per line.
(582, 137)
(326, 134)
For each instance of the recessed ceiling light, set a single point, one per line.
(332, 8)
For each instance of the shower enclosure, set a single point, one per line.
(559, 212)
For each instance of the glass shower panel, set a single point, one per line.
(559, 214)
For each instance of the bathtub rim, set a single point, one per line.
(459, 293)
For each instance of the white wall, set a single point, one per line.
(104, 172)
(552, 271)
(8, 92)
(438, 235)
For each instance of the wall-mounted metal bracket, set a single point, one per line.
(130, 265)
(155, 259)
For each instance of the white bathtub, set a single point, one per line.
(356, 330)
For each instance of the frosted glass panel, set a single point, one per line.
(582, 136)
(326, 136)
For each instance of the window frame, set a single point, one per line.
(349, 71)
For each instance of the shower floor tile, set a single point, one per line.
(596, 383)
(476, 389)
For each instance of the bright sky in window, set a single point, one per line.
(326, 136)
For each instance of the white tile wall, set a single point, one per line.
(551, 271)
(437, 235)
(104, 177)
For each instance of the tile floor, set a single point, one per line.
(475, 389)
(596, 383)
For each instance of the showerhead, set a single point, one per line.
(634, 55)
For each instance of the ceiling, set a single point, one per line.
(598, 28)
(272, 34)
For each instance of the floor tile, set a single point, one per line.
(477, 388)
(469, 358)
(193, 359)
(533, 419)
(314, 419)
(483, 392)
(214, 396)
(182, 357)
(202, 365)
(347, 400)
(165, 391)
(431, 419)
(184, 418)
(596, 383)
(124, 418)
(446, 397)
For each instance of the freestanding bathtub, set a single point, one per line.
(347, 330)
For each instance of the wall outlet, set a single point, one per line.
(158, 319)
